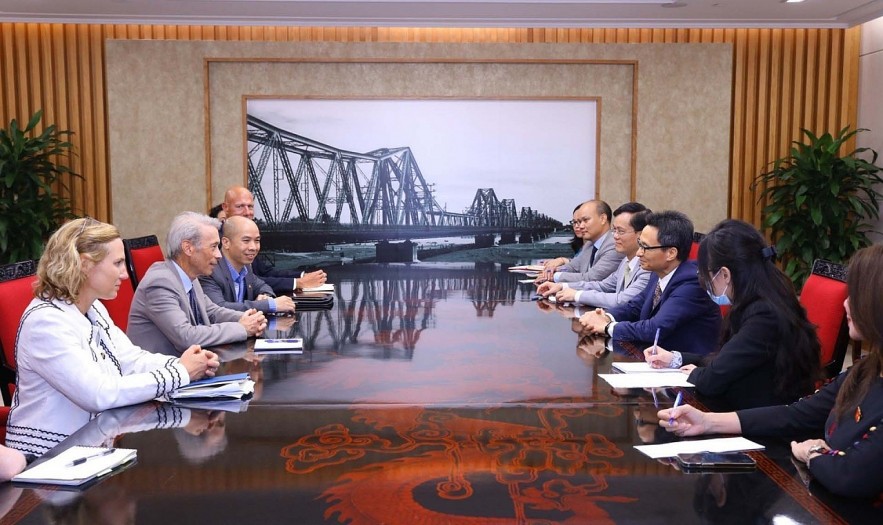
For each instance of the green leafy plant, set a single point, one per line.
(819, 203)
(30, 208)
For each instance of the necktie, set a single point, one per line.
(657, 294)
(194, 307)
(625, 277)
(592, 258)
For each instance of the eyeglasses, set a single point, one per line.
(642, 246)
(619, 232)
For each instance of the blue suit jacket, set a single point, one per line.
(687, 319)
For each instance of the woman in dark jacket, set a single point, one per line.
(770, 352)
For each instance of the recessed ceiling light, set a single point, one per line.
(791, 1)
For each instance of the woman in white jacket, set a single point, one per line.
(72, 361)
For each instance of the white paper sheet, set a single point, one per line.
(667, 450)
(647, 380)
(640, 367)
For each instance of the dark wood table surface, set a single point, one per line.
(430, 393)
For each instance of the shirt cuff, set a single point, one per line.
(555, 276)
(677, 360)
(272, 303)
(577, 295)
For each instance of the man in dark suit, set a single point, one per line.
(170, 312)
(232, 284)
(672, 302)
(238, 201)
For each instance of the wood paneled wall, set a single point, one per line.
(784, 80)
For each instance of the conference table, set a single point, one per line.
(431, 394)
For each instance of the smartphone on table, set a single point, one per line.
(716, 461)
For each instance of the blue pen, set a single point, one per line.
(655, 342)
(671, 420)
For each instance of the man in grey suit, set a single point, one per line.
(170, 312)
(626, 282)
(232, 284)
(598, 257)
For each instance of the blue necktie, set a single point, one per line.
(194, 307)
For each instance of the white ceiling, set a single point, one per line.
(449, 13)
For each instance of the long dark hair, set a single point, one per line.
(754, 277)
(865, 282)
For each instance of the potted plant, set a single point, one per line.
(30, 206)
(819, 203)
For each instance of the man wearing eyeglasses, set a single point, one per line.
(626, 282)
(598, 257)
(673, 302)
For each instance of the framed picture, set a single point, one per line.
(328, 172)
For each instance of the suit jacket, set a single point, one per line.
(743, 373)
(610, 291)
(580, 268)
(160, 319)
(281, 281)
(687, 319)
(219, 287)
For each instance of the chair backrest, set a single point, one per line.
(822, 297)
(694, 249)
(119, 306)
(141, 252)
(16, 290)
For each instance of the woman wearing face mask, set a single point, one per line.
(770, 352)
(845, 417)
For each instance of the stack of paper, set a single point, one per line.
(233, 386)
(279, 346)
(77, 465)
(526, 268)
(668, 450)
(322, 288)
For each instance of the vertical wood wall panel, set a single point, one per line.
(784, 80)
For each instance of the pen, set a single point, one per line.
(80, 461)
(655, 342)
(671, 420)
(655, 399)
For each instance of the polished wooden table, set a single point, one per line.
(429, 394)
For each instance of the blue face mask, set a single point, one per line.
(722, 299)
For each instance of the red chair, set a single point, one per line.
(822, 297)
(16, 289)
(4, 417)
(694, 249)
(119, 306)
(141, 252)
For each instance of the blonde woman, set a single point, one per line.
(72, 361)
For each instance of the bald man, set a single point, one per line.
(238, 201)
(232, 284)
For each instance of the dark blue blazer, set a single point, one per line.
(687, 319)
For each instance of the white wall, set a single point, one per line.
(870, 109)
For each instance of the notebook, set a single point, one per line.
(279, 346)
(323, 288)
(232, 386)
(77, 465)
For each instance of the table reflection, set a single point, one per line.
(436, 394)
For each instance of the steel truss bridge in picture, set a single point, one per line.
(311, 194)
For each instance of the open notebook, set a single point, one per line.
(77, 465)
